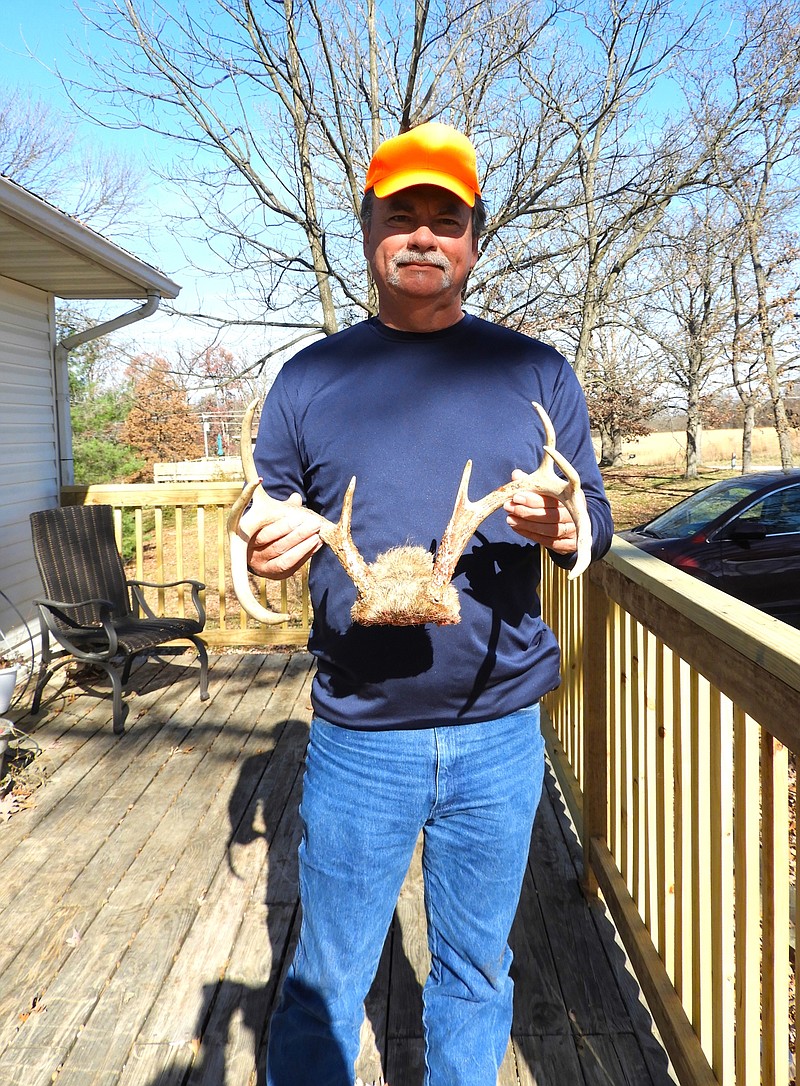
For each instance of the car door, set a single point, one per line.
(761, 554)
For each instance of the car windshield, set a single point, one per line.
(696, 511)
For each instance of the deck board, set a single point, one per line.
(149, 905)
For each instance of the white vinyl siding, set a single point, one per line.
(28, 440)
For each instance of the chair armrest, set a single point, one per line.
(139, 597)
(49, 610)
(59, 607)
(168, 584)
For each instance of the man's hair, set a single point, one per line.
(478, 213)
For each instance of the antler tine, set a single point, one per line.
(467, 515)
(264, 510)
(568, 491)
(246, 443)
(466, 518)
(547, 422)
(339, 539)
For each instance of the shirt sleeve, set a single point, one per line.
(277, 452)
(570, 418)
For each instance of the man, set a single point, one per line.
(418, 728)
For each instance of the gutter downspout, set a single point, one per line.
(61, 377)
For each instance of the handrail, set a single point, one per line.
(673, 749)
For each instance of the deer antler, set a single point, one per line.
(266, 510)
(467, 515)
(404, 586)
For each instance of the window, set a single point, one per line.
(779, 512)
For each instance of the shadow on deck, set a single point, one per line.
(149, 904)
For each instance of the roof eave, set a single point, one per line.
(48, 220)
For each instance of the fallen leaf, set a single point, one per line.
(8, 806)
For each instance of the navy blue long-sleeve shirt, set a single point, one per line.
(403, 412)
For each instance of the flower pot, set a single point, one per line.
(8, 680)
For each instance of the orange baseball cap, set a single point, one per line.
(430, 154)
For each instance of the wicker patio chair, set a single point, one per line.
(92, 611)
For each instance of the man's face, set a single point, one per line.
(420, 248)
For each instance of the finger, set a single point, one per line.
(288, 529)
(535, 506)
(539, 531)
(294, 521)
(286, 561)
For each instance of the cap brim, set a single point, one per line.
(405, 179)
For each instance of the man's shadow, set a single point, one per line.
(232, 1028)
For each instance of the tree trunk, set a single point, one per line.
(606, 448)
(616, 448)
(768, 346)
(694, 434)
(313, 230)
(747, 435)
(589, 320)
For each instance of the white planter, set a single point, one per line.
(8, 680)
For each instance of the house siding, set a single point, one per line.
(28, 444)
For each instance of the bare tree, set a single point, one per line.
(275, 111)
(623, 390)
(633, 157)
(747, 370)
(589, 122)
(278, 109)
(760, 175)
(689, 311)
(39, 149)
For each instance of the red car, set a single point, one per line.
(740, 535)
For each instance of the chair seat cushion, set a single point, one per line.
(137, 634)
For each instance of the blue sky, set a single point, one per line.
(41, 27)
(38, 36)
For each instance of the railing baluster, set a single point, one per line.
(595, 620)
(179, 574)
(683, 838)
(775, 910)
(665, 806)
(139, 544)
(653, 887)
(721, 888)
(747, 809)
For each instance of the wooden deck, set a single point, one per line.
(148, 904)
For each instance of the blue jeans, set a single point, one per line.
(473, 790)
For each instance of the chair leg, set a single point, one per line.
(203, 657)
(41, 683)
(126, 670)
(45, 671)
(120, 708)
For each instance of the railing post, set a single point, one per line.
(595, 707)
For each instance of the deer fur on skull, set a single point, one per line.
(406, 585)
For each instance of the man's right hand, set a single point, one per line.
(279, 549)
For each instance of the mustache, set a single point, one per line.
(409, 256)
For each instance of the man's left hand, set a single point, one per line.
(541, 519)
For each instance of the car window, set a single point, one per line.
(779, 512)
(696, 511)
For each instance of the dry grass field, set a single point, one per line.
(651, 479)
(637, 494)
(718, 446)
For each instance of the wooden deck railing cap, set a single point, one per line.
(761, 638)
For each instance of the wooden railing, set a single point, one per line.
(673, 734)
(170, 531)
